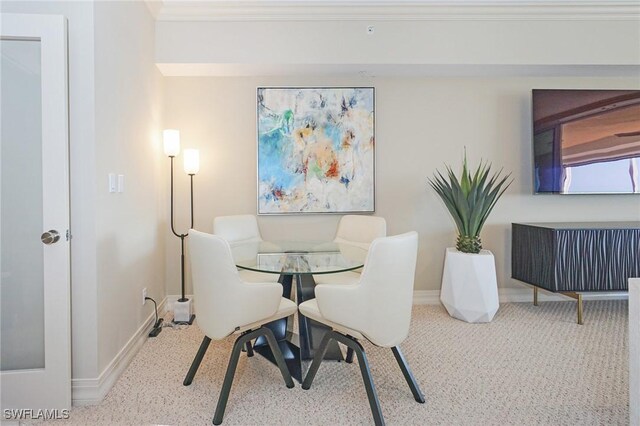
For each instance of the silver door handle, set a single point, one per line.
(50, 237)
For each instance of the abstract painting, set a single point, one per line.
(316, 150)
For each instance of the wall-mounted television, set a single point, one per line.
(586, 141)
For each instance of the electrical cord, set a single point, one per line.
(157, 326)
(177, 325)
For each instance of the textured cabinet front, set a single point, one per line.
(569, 258)
(532, 258)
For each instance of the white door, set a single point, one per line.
(35, 359)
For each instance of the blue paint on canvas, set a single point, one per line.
(315, 150)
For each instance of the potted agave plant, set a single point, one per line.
(469, 286)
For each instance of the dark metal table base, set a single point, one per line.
(297, 348)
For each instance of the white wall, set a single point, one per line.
(130, 225)
(421, 123)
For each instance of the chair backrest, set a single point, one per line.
(237, 228)
(386, 290)
(360, 230)
(222, 300)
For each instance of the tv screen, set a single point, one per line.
(586, 141)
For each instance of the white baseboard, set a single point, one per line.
(506, 295)
(519, 295)
(93, 391)
(426, 297)
(525, 294)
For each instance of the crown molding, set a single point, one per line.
(402, 10)
(154, 6)
(371, 71)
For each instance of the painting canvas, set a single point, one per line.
(316, 150)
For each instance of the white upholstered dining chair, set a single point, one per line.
(376, 308)
(243, 229)
(359, 231)
(226, 304)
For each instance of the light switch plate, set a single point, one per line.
(120, 183)
(112, 182)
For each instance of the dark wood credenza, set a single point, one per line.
(575, 258)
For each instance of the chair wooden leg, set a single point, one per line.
(196, 361)
(317, 359)
(277, 354)
(411, 381)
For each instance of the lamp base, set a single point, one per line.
(182, 312)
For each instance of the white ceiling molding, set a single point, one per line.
(154, 7)
(401, 10)
(371, 71)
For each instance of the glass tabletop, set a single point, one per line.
(297, 257)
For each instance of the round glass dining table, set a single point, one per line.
(296, 262)
(297, 257)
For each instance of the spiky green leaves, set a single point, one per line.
(470, 199)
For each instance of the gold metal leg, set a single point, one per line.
(580, 309)
(535, 296)
(578, 298)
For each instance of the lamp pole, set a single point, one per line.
(181, 236)
(182, 309)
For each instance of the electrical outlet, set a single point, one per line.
(144, 295)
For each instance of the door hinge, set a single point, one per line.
(68, 234)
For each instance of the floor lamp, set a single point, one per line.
(182, 308)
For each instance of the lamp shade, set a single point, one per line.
(191, 161)
(171, 139)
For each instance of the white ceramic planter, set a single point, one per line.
(469, 286)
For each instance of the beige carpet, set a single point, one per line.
(531, 365)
